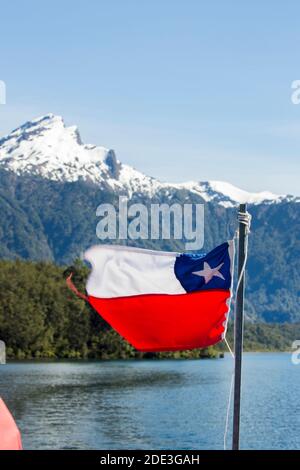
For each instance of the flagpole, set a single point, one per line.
(239, 329)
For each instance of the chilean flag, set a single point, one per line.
(162, 301)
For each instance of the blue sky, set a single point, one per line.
(182, 90)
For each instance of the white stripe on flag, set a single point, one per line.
(120, 271)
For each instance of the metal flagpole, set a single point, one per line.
(239, 327)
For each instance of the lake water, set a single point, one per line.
(152, 404)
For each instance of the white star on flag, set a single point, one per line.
(208, 273)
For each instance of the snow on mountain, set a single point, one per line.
(47, 148)
(228, 195)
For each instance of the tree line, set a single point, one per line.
(41, 318)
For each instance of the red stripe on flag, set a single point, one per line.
(160, 322)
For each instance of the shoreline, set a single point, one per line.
(130, 359)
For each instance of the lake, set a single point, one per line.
(165, 404)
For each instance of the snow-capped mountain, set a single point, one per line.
(228, 195)
(46, 147)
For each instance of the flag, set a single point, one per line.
(162, 301)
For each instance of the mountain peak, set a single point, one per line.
(46, 147)
(36, 128)
(227, 193)
(43, 123)
(50, 117)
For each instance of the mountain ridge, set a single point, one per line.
(46, 147)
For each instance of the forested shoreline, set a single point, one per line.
(41, 319)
